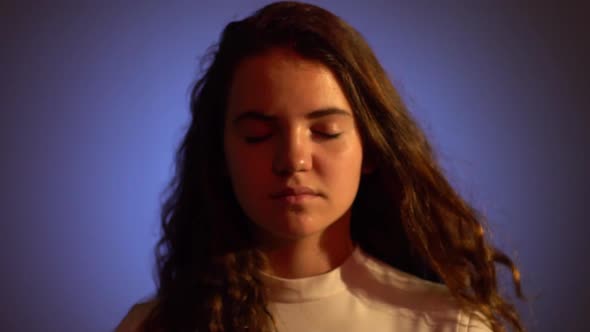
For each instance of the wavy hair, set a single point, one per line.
(406, 213)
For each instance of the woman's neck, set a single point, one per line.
(312, 255)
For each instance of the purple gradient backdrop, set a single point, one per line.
(94, 100)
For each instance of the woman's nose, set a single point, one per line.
(292, 154)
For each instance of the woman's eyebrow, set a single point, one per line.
(261, 116)
(327, 111)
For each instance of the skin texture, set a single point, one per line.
(281, 112)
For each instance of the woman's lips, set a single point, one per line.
(294, 194)
(291, 199)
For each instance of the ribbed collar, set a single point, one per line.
(312, 288)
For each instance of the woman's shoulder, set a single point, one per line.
(389, 289)
(135, 316)
(394, 279)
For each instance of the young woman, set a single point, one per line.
(307, 199)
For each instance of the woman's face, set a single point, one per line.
(293, 151)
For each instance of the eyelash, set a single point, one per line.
(258, 139)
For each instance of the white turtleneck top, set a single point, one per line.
(365, 294)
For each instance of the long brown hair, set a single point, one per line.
(405, 214)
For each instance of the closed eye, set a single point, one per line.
(326, 135)
(256, 139)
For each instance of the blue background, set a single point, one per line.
(94, 99)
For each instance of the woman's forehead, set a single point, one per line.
(281, 81)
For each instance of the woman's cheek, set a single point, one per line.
(342, 147)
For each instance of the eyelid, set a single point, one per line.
(255, 132)
(327, 129)
(323, 131)
(327, 135)
(256, 139)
